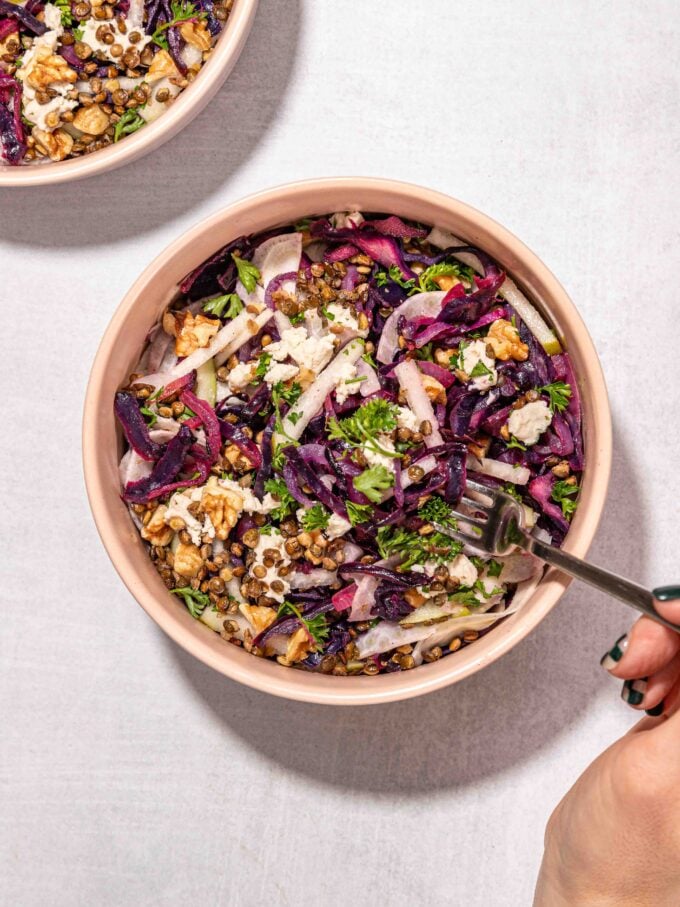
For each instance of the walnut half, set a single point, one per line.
(503, 338)
(57, 144)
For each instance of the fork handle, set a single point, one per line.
(604, 580)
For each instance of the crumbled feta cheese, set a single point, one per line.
(251, 503)
(122, 39)
(375, 458)
(474, 354)
(178, 506)
(347, 371)
(528, 423)
(241, 375)
(460, 568)
(272, 541)
(33, 111)
(340, 315)
(279, 371)
(311, 352)
(337, 526)
(406, 418)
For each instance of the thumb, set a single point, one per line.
(667, 602)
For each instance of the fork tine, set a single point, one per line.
(480, 488)
(459, 536)
(475, 505)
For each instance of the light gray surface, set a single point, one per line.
(132, 775)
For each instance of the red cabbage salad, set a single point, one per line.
(78, 75)
(306, 409)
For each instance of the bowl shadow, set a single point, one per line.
(474, 729)
(184, 171)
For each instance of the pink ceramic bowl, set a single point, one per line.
(119, 352)
(188, 105)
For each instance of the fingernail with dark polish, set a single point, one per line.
(615, 654)
(666, 593)
(633, 691)
(656, 711)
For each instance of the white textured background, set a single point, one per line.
(132, 775)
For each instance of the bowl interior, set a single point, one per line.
(188, 104)
(119, 353)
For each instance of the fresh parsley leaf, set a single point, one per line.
(415, 548)
(394, 274)
(565, 494)
(287, 503)
(304, 224)
(511, 489)
(129, 122)
(426, 352)
(298, 318)
(436, 510)
(195, 601)
(294, 417)
(316, 517)
(358, 513)
(480, 370)
(79, 31)
(230, 301)
(263, 364)
(371, 419)
(317, 626)
(465, 597)
(150, 415)
(427, 283)
(513, 442)
(559, 393)
(64, 7)
(290, 395)
(494, 568)
(367, 357)
(373, 481)
(248, 274)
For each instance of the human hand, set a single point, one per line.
(615, 837)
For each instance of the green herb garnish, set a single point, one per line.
(181, 12)
(559, 394)
(565, 494)
(317, 626)
(195, 601)
(227, 306)
(362, 427)
(416, 548)
(373, 481)
(248, 274)
(480, 370)
(426, 281)
(513, 442)
(287, 503)
(316, 517)
(436, 510)
(129, 122)
(358, 513)
(64, 7)
(263, 364)
(150, 415)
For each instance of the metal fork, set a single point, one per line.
(495, 523)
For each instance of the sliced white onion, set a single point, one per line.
(506, 472)
(227, 340)
(312, 400)
(386, 635)
(371, 383)
(313, 323)
(509, 290)
(410, 380)
(275, 256)
(421, 305)
(153, 107)
(132, 468)
(318, 577)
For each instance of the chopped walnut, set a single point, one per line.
(188, 560)
(445, 281)
(260, 616)
(223, 506)
(49, 68)
(57, 144)
(156, 530)
(503, 338)
(162, 67)
(91, 120)
(443, 357)
(196, 34)
(305, 377)
(480, 447)
(434, 389)
(299, 646)
(191, 332)
(561, 469)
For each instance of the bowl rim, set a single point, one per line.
(305, 686)
(188, 104)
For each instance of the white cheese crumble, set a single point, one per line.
(406, 418)
(473, 354)
(241, 375)
(375, 458)
(90, 38)
(338, 314)
(251, 503)
(528, 423)
(276, 542)
(178, 506)
(279, 371)
(311, 352)
(460, 568)
(337, 526)
(347, 372)
(33, 111)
